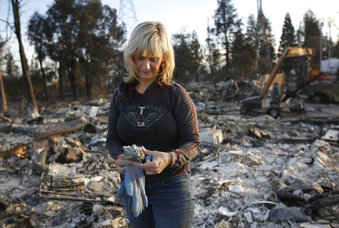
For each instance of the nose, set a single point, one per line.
(146, 64)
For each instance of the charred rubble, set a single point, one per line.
(253, 171)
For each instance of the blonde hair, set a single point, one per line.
(150, 39)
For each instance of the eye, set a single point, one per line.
(154, 59)
(140, 58)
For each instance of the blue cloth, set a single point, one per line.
(134, 188)
(171, 204)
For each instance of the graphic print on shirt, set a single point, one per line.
(142, 116)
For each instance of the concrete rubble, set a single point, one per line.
(253, 171)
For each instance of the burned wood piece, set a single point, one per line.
(87, 208)
(77, 198)
(100, 143)
(90, 128)
(37, 120)
(65, 150)
(5, 127)
(17, 215)
(40, 150)
(3, 207)
(320, 121)
(60, 184)
(288, 194)
(331, 136)
(102, 119)
(258, 133)
(290, 199)
(289, 213)
(54, 185)
(299, 140)
(65, 188)
(19, 151)
(320, 201)
(4, 118)
(214, 136)
(70, 155)
(63, 128)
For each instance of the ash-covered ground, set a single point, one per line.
(253, 171)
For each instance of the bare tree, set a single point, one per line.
(24, 65)
(2, 86)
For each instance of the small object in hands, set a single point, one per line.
(148, 158)
(134, 153)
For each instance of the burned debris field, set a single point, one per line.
(253, 170)
(267, 107)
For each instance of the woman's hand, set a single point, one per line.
(120, 163)
(160, 160)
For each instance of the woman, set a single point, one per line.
(150, 110)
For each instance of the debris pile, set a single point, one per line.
(252, 172)
(56, 172)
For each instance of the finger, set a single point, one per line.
(138, 164)
(127, 162)
(121, 156)
(142, 165)
(149, 152)
(123, 162)
(145, 151)
(149, 172)
(121, 169)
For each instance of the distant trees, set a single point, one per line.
(243, 54)
(197, 57)
(310, 32)
(220, 40)
(83, 36)
(188, 57)
(37, 38)
(266, 45)
(233, 53)
(213, 52)
(11, 68)
(287, 39)
(252, 37)
(225, 21)
(83, 40)
(335, 50)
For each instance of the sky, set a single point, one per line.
(194, 15)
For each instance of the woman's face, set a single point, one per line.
(148, 67)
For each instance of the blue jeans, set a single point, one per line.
(170, 204)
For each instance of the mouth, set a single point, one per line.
(146, 72)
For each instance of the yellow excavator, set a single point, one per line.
(273, 103)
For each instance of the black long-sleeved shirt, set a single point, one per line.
(162, 119)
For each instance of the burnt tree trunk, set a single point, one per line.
(71, 68)
(71, 75)
(44, 78)
(3, 94)
(62, 72)
(24, 65)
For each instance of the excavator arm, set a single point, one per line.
(287, 53)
